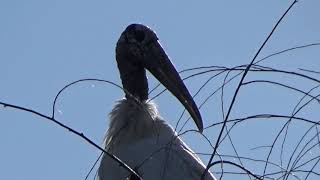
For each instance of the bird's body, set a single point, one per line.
(156, 152)
(137, 134)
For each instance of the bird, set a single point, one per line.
(137, 134)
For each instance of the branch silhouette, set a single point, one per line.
(73, 131)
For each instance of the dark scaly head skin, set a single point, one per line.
(130, 55)
(138, 49)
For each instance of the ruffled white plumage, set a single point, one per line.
(143, 140)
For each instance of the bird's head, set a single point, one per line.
(135, 43)
(138, 49)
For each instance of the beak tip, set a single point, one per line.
(195, 114)
(199, 124)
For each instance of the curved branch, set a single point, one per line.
(81, 135)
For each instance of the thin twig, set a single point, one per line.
(81, 135)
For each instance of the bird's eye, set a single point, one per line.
(139, 36)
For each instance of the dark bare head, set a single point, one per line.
(138, 49)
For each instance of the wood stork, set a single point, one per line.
(137, 134)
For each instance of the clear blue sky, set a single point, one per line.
(45, 45)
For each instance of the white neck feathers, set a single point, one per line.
(131, 120)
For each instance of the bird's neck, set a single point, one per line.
(134, 81)
(131, 121)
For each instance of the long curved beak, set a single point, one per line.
(159, 64)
